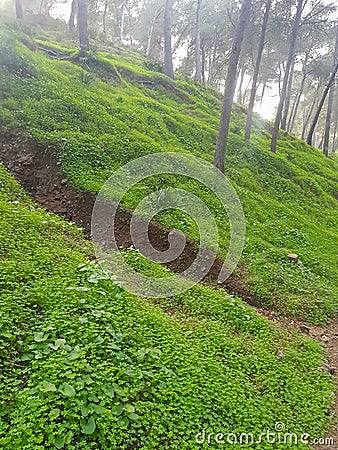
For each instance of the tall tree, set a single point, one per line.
(299, 94)
(308, 113)
(198, 62)
(71, 22)
(123, 14)
(19, 9)
(168, 53)
(256, 71)
(321, 103)
(230, 85)
(83, 25)
(150, 32)
(294, 34)
(288, 96)
(330, 102)
(104, 17)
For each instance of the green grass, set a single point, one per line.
(87, 365)
(100, 116)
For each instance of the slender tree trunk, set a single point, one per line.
(83, 25)
(104, 18)
(203, 63)
(211, 75)
(151, 32)
(321, 142)
(198, 66)
(294, 35)
(44, 5)
(298, 96)
(288, 96)
(168, 53)
(310, 111)
(123, 20)
(246, 91)
(150, 37)
(326, 140)
(334, 137)
(71, 23)
(209, 69)
(330, 103)
(321, 104)
(19, 9)
(240, 87)
(256, 71)
(263, 93)
(230, 85)
(281, 68)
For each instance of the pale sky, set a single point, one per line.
(270, 102)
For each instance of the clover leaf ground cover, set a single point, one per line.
(113, 110)
(85, 365)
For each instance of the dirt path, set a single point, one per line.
(38, 172)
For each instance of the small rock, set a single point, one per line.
(293, 257)
(64, 181)
(305, 329)
(281, 353)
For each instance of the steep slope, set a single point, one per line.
(86, 365)
(97, 114)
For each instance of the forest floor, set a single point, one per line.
(328, 336)
(44, 182)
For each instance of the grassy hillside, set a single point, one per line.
(100, 113)
(87, 366)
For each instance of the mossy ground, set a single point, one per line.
(112, 109)
(87, 365)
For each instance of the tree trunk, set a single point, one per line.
(198, 63)
(310, 111)
(151, 31)
(150, 37)
(104, 18)
(230, 85)
(291, 55)
(240, 87)
(83, 25)
(321, 104)
(334, 137)
(246, 91)
(123, 20)
(44, 5)
(19, 9)
(203, 63)
(71, 23)
(263, 92)
(288, 96)
(256, 71)
(298, 97)
(330, 104)
(168, 53)
(211, 75)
